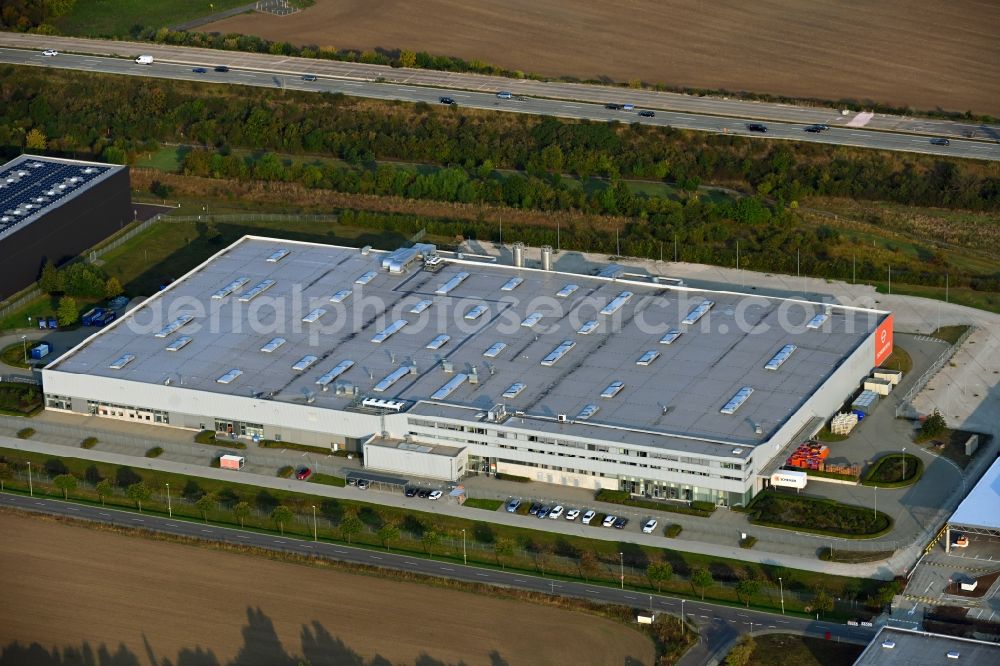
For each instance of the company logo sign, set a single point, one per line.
(883, 341)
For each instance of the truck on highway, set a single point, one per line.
(231, 462)
(144, 60)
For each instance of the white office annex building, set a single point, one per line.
(468, 367)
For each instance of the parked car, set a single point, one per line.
(647, 114)
(449, 100)
(757, 127)
(423, 493)
(939, 141)
(533, 509)
(557, 512)
(351, 481)
(303, 473)
(199, 70)
(572, 514)
(435, 495)
(621, 523)
(650, 526)
(513, 504)
(589, 516)
(221, 68)
(411, 491)
(544, 512)
(362, 484)
(50, 53)
(609, 520)
(308, 77)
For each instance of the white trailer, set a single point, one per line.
(232, 462)
(785, 478)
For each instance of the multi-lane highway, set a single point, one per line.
(566, 100)
(719, 625)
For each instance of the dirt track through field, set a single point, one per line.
(924, 53)
(171, 604)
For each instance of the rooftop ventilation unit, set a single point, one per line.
(278, 256)
(230, 288)
(588, 328)
(532, 319)
(438, 342)
(817, 321)
(366, 278)
(387, 405)
(495, 350)
(648, 357)
(780, 357)
(561, 418)
(340, 296)
(391, 379)
(447, 366)
(514, 390)
(614, 388)
(512, 284)
(421, 306)
(567, 291)
(229, 376)
(670, 337)
(304, 363)
(612, 271)
(497, 413)
(314, 316)
(476, 312)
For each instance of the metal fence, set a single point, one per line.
(905, 409)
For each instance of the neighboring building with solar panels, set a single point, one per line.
(54, 209)
(460, 367)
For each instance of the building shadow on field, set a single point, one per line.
(261, 647)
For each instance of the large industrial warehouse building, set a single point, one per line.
(464, 367)
(53, 209)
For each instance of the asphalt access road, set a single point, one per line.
(719, 625)
(288, 75)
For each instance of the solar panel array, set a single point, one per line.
(30, 185)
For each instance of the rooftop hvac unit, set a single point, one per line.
(310, 395)
(447, 366)
(561, 418)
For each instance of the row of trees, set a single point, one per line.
(78, 279)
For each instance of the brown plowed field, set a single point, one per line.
(924, 53)
(67, 587)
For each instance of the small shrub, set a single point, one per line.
(673, 530)
(25, 433)
(513, 477)
(154, 452)
(708, 507)
(286, 472)
(88, 443)
(205, 437)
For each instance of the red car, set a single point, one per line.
(303, 473)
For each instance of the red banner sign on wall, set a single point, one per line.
(883, 341)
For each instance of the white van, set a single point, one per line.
(505, 95)
(144, 60)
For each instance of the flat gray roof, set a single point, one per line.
(979, 508)
(680, 393)
(31, 185)
(918, 648)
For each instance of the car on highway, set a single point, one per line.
(308, 77)
(612, 106)
(363, 484)
(411, 491)
(814, 129)
(435, 495)
(609, 520)
(503, 94)
(556, 512)
(544, 512)
(650, 526)
(620, 523)
(49, 53)
(199, 70)
(757, 127)
(423, 493)
(646, 114)
(533, 509)
(447, 100)
(221, 68)
(303, 473)
(940, 141)
(589, 516)
(513, 504)
(572, 514)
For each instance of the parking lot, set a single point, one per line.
(538, 509)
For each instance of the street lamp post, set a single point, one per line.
(31, 488)
(465, 557)
(24, 343)
(315, 532)
(683, 623)
(170, 508)
(621, 560)
(781, 586)
(902, 462)
(876, 501)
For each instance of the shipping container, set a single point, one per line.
(231, 462)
